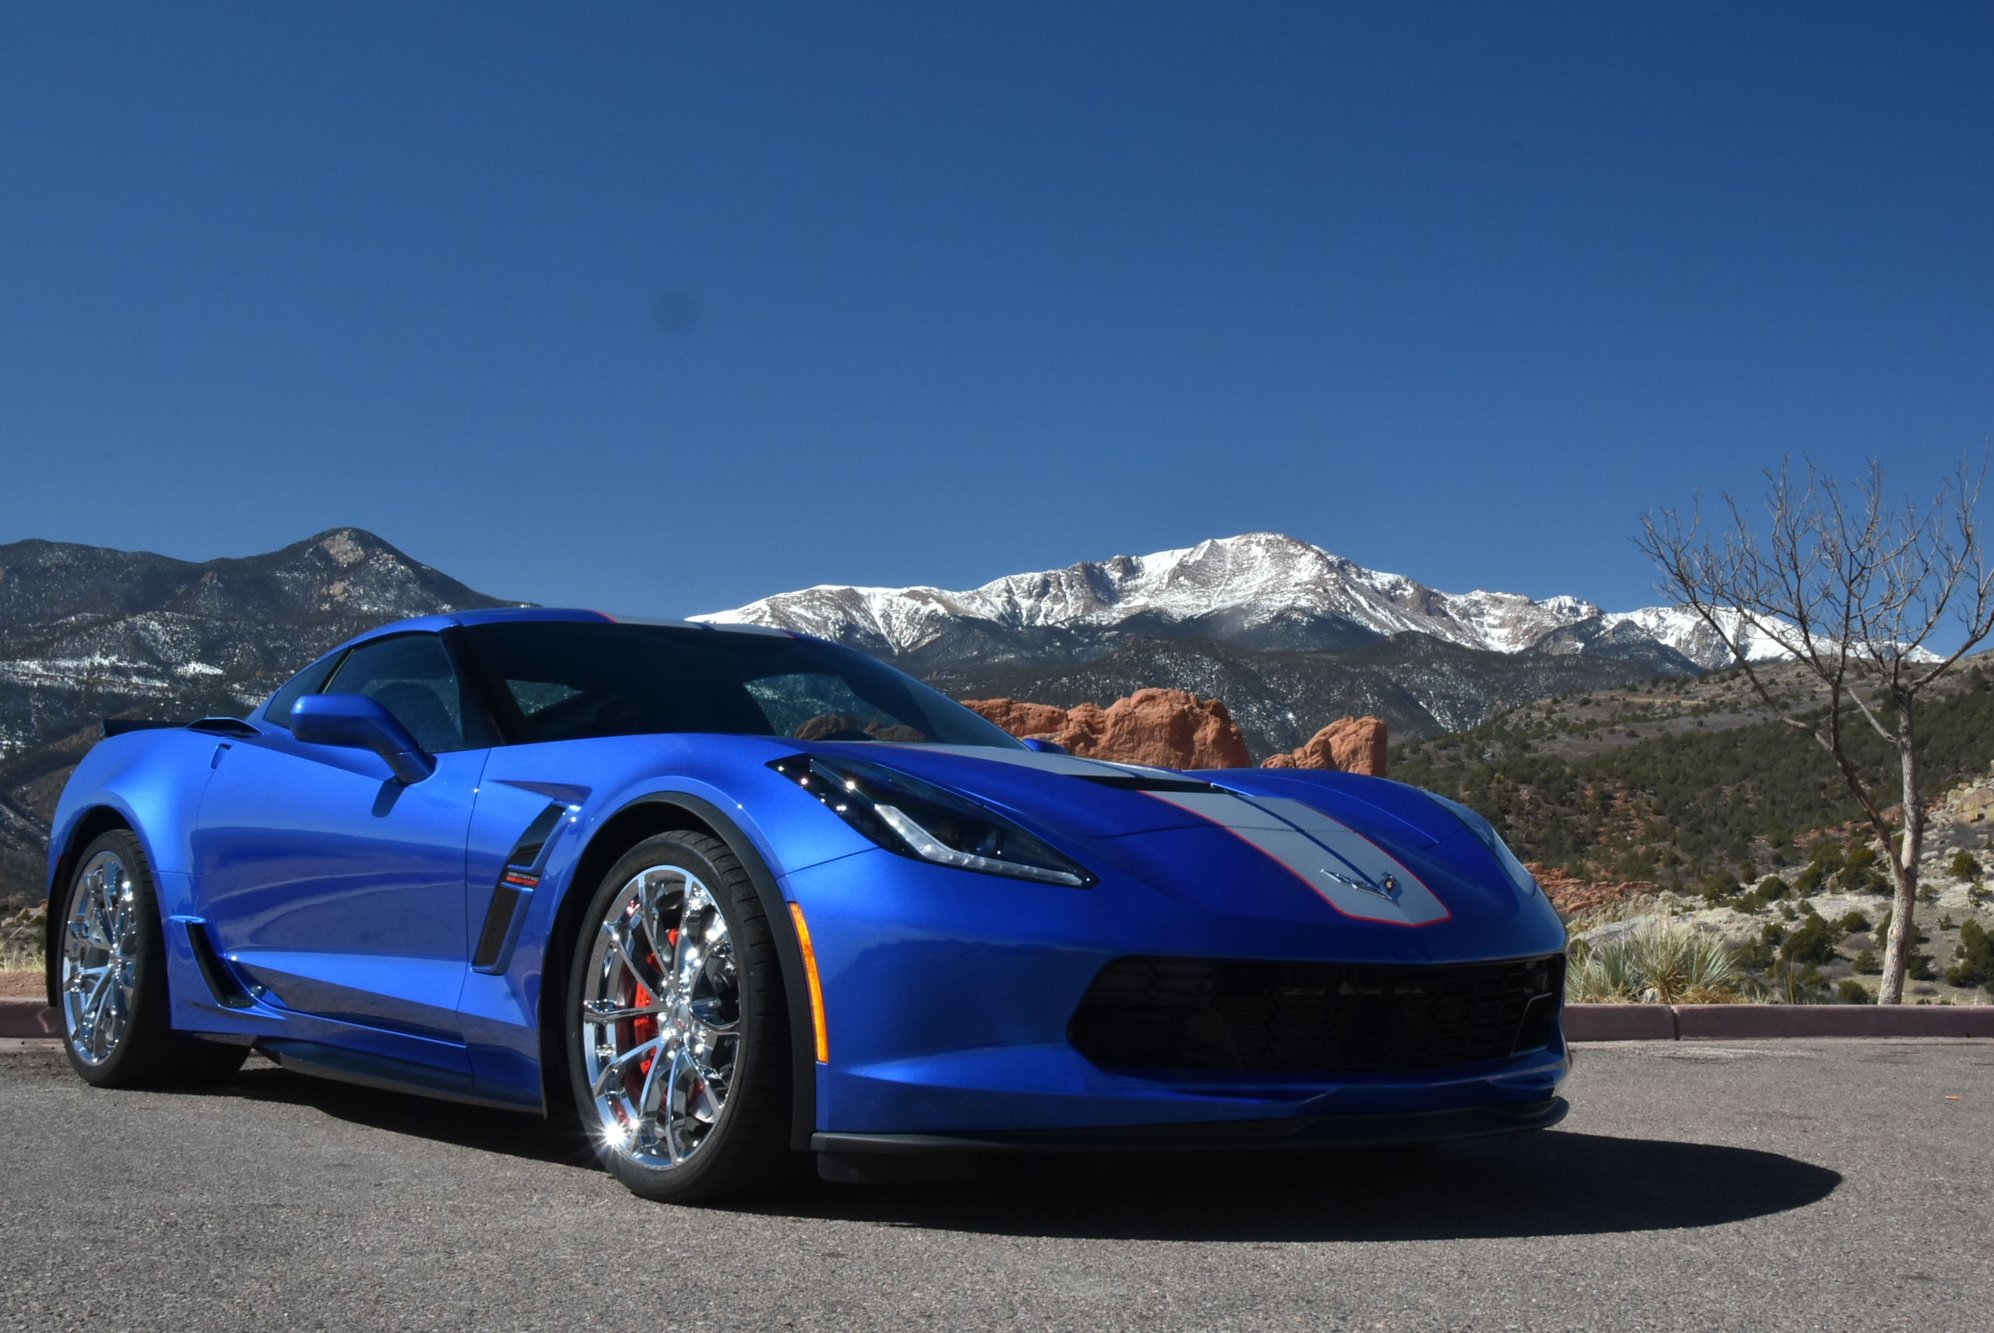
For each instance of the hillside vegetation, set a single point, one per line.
(1679, 781)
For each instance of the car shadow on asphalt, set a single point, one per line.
(486, 1129)
(1552, 1183)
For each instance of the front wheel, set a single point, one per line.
(678, 1034)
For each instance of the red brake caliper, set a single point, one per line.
(643, 1029)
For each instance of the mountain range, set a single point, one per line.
(1260, 591)
(1289, 635)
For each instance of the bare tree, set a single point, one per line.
(1856, 588)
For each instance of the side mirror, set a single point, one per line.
(1043, 746)
(358, 723)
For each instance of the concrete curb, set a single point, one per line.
(1762, 1022)
(26, 1018)
(30, 1018)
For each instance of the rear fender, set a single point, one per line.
(148, 782)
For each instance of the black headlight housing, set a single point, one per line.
(914, 818)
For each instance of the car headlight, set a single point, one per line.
(1481, 828)
(914, 818)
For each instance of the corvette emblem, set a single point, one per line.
(1387, 888)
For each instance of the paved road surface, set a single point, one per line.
(1793, 1185)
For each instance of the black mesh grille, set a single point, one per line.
(1168, 1015)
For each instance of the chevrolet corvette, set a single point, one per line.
(732, 897)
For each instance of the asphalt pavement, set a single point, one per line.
(1780, 1185)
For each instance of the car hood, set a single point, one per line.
(1378, 854)
(1092, 798)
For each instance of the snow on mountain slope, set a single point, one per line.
(1683, 630)
(1251, 580)
(1246, 583)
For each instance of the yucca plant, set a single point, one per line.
(1660, 961)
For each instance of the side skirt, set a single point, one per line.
(319, 1061)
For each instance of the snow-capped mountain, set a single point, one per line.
(1260, 590)
(1683, 630)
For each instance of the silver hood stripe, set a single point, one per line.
(1351, 873)
(1043, 762)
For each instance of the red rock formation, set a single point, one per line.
(1353, 744)
(1167, 728)
(1572, 895)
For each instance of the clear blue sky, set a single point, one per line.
(660, 308)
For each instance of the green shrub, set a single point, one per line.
(1770, 890)
(1973, 959)
(1963, 865)
(1791, 984)
(1812, 943)
(1853, 922)
(1763, 952)
(1868, 964)
(1850, 991)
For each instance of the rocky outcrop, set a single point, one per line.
(1572, 895)
(1166, 728)
(1352, 744)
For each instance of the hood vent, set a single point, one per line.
(1145, 782)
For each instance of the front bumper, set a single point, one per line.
(1314, 1132)
(949, 997)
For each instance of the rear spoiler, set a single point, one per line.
(220, 726)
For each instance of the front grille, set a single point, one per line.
(1191, 1015)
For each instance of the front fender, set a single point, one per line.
(614, 795)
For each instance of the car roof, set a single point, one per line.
(545, 615)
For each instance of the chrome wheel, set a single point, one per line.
(660, 1017)
(100, 952)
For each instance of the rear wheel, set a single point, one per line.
(678, 1032)
(114, 1005)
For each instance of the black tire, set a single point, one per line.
(746, 1148)
(146, 1051)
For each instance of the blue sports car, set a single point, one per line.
(733, 896)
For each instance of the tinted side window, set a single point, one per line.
(410, 676)
(308, 681)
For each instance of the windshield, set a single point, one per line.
(553, 681)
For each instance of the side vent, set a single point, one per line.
(513, 891)
(221, 979)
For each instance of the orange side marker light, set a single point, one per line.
(816, 988)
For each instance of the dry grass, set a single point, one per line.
(23, 938)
